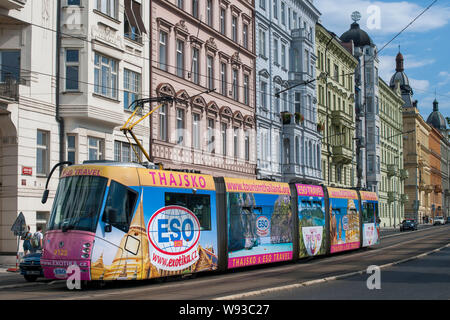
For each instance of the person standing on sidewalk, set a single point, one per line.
(37, 239)
(27, 242)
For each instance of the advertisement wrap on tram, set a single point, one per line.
(311, 218)
(260, 222)
(370, 219)
(344, 219)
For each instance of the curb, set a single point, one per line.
(323, 280)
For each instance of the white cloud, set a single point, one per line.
(421, 85)
(394, 16)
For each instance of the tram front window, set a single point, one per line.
(78, 203)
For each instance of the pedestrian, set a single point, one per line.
(36, 240)
(27, 241)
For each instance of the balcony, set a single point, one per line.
(12, 4)
(392, 196)
(392, 170)
(9, 90)
(404, 174)
(437, 189)
(340, 118)
(342, 154)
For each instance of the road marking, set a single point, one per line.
(323, 280)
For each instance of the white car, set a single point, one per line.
(439, 220)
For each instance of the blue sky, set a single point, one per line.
(425, 44)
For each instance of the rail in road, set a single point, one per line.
(237, 283)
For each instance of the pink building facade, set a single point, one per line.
(201, 45)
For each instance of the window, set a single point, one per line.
(95, 148)
(180, 4)
(297, 101)
(262, 43)
(283, 13)
(180, 126)
(209, 13)
(71, 148)
(163, 50)
(222, 21)
(163, 123)
(72, 69)
(234, 28)
(42, 219)
(245, 35)
(195, 8)
(73, 2)
(210, 72)
(123, 152)
(247, 145)
(236, 142)
(107, 7)
(246, 89)
(180, 58)
(223, 78)
(235, 84)
(196, 131)
(131, 87)
(262, 4)
(283, 56)
(211, 138)
(275, 51)
(9, 65)
(195, 66)
(224, 139)
(275, 9)
(198, 204)
(263, 94)
(119, 206)
(105, 76)
(42, 152)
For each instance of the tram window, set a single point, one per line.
(119, 207)
(199, 204)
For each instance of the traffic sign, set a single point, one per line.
(19, 225)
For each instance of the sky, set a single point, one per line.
(425, 44)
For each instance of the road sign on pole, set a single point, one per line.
(19, 225)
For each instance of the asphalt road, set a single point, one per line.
(423, 278)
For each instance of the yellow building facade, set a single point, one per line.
(336, 105)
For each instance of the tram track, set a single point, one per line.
(403, 247)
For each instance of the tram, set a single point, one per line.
(127, 221)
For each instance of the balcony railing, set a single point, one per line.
(342, 154)
(9, 89)
(392, 170)
(404, 174)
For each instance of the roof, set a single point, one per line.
(360, 37)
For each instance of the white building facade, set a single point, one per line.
(288, 144)
(103, 54)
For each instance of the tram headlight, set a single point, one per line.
(85, 256)
(86, 250)
(87, 245)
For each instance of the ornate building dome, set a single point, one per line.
(436, 119)
(403, 80)
(360, 37)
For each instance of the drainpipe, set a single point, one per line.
(58, 118)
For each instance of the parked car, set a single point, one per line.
(30, 267)
(439, 220)
(409, 224)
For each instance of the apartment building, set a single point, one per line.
(203, 54)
